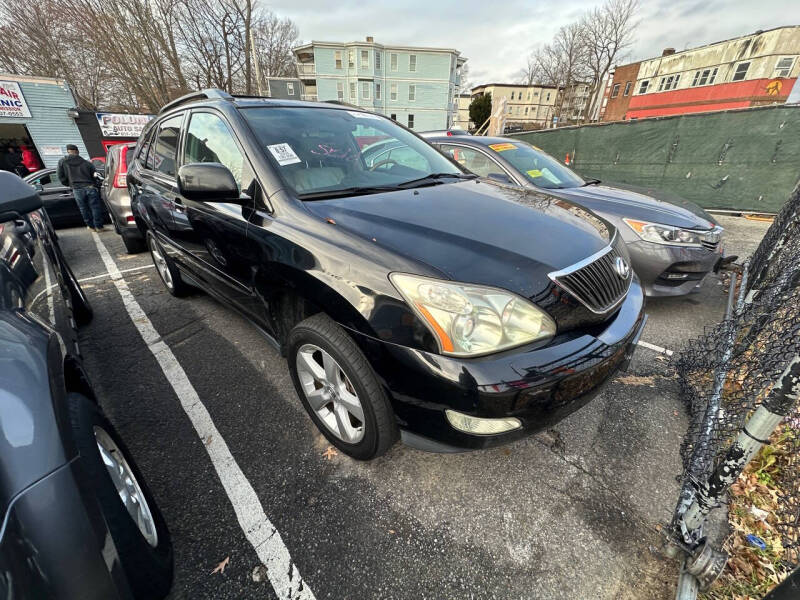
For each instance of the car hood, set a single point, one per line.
(475, 231)
(638, 203)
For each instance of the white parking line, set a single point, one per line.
(650, 346)
(265, 539)
(105, 275)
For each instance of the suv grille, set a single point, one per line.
(598, 282)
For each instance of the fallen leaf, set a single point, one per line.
(207, 440)
(220, 568)
(391, 531)
(330, 453)
(259, 573)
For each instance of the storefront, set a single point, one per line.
(102, 130)
(37, 114)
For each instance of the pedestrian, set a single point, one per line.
(15, 159)
(79, 174)
(30, 160)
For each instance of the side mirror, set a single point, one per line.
(209, 182)
(18, 197)
(501, 177)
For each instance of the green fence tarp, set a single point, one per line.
(745, 159)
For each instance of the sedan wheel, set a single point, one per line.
(330, 393)
(161, 263)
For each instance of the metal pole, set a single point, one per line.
(256, 61)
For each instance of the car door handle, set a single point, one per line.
(179, 207)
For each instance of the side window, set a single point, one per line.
(208, 139)
(143, 151)
(472, 160)
(47, 181)
(165, 150)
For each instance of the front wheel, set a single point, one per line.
(167, 271)
(339, 389)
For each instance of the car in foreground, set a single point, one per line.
(58, 200)
(674, 244)
(409, 297)
(78, 518)
(114, 192)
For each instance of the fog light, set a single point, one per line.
(478, 426)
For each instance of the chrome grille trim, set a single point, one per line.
(594, 282)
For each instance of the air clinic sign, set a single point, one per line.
(122, 125)
(12, 102)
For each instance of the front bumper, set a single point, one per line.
(655, 263)
(538, 386)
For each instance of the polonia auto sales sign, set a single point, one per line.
(121, 124)
(12, 102)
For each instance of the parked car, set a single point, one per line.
(674, 244)
(409, 297)
(78, 518)
(447, 132)
(114, 192)
(59, 203)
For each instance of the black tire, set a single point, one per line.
(133, 243)
(81, 308)
(175, 286)
(148, 568)
(380, 425)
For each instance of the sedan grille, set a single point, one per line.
(711, 239)
(601, 281)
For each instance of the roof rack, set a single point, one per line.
(207, 94)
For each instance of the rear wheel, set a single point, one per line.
(167, 271)
(136, 525)
(339, 389)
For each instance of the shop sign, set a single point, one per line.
(52, 150)
(121, 124)
(12, 102)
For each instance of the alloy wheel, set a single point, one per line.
(160, 262)
(330, 393)
(128, 488)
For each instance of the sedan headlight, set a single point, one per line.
(469, 320)
(666, 234)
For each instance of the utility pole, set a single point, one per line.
(256, 64)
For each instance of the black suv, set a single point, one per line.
(409, 297)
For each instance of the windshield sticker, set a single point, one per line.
(501, 147)
(363, 115)
(284, 154)
(534, 173)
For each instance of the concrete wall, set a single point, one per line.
(742, 159)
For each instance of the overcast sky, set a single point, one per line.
(496, 36)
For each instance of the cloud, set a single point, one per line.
(497, 37)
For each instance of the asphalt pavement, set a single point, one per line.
(208, 410)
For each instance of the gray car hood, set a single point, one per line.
(637, 203)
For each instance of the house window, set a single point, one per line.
(365, 91)
(615, 90)
(393, 117)
(412, 92)
(669, 82)
(340, 91)
(704, 77)
(526, 110)
(393, 61)
(352, 91)
(512, 94)
(377, 60)
(741, 71)
(351, 58)
(365, 59)
(290, 88)
(509, 108)
(529, 95)
(377, 91)
(628, 85)
(393, 91)
(338, 56)
(411, 121)
(548, 97)
(643, 86)
(412, 63)
(784, 66)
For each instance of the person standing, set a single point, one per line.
(79, 174)
(30, 160)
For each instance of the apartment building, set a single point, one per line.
(751, 70)
(461, 111)
(415, 86)
(527, 106)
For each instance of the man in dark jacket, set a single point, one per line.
(79, 174)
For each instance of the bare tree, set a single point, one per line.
(274, 39)
(607, 32)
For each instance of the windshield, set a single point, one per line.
(319, 150)
(539, 168)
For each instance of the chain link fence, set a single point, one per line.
(727, 373)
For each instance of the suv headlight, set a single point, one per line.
(469, 320)
(666, 234)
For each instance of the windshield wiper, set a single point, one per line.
(351, 191)
(590, 182)
(433, 179)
